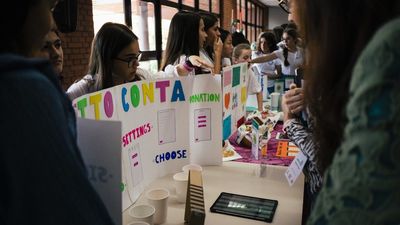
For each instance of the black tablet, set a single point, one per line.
(245, 206)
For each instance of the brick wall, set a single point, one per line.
(227, 13)
(76, 45)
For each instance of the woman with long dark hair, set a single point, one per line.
(212, 49)
(114, 60)
(227, 49)
(183, 45)
(352, 91)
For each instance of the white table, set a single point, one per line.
(238, 178)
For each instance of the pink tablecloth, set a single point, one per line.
(271, 152)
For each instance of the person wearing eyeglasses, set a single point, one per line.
(114, 60)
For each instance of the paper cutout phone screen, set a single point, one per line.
(166, 126)
(136, 164)
(202, 124)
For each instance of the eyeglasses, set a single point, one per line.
(131, 60)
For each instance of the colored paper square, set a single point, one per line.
(244, 71)
(236, 76)
(227, 127)
(244, 95)
(227, 78)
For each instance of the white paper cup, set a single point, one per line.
(142, 213)
(181, 182)
(158, 198)
(192, 167)
(138, 223)
(275, 101)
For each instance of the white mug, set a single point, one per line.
(158, 198)
(138, 223)
(191, 166)
(181, 183)
(142, 213)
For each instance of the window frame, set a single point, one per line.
(157, 54)
(258, 22)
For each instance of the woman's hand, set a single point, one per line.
(295, 100)
(292, 102)
(218, 46)
(197, 61)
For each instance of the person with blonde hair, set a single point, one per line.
(241, 54)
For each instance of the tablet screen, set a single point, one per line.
(245, 206)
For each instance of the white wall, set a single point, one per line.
(276, 17)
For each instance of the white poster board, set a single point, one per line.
(102, 157)
(166, 124)
(234, 80)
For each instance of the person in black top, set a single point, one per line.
(44, 180)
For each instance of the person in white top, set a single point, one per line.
(241, 54)
(271, 70)
(183, 46)
(227, 48)
(114, 60)
(212, 49)
(291, 57)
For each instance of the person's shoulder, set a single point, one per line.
(86, 80)
(380, 54)
(387, 37)
(26, 79)
(256, 53)
(147, 75)
(251, 74)
(279, 51)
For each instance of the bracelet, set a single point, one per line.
(188, 65)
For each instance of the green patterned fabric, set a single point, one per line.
(362, 186)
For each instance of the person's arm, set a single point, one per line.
(44, 178)
(79, 88)
(260, 101)
(184, 68)
(264, 58)
(362, 185)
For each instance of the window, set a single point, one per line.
(150, 21)
(253, 17)
(188, 2)
(205, 5)
(215, 6)
(143, 24)
(166, 14)
(107, 11)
